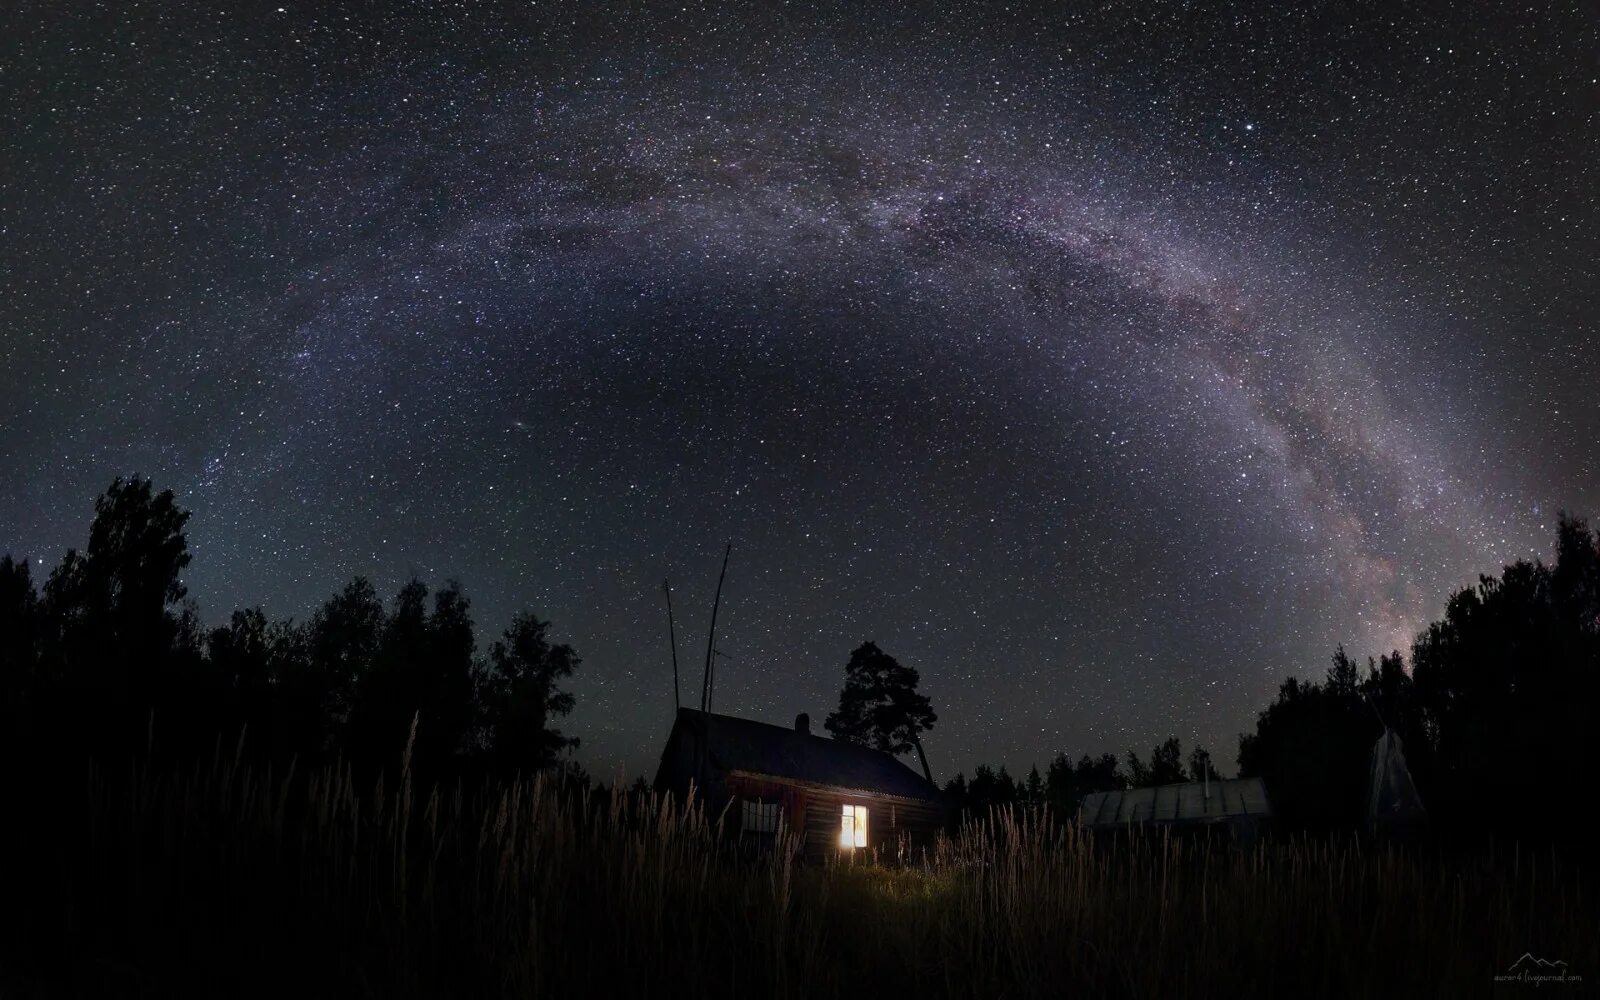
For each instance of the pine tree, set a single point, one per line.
(879, 705)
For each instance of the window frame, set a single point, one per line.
(764, 812)
(853, 826)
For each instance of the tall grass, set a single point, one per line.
(231, 879)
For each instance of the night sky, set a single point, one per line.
(1106, 365)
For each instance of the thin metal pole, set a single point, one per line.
(672, 636)
(711, 638)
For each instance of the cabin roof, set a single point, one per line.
(779, 752)
(1230, 798)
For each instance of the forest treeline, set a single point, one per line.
(1063, 784)
(110, 654)
(1495, 707)
(1494, 702)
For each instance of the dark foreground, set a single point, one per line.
(227, 880)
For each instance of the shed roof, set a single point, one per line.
(735, 744)
(1229, 798)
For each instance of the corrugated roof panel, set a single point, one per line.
(1141, 805)
(1181, 803)
(1192, 802)
(1254, 796)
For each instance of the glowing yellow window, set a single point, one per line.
(853, 827)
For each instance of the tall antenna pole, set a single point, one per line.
(672, 637)
(711, 695)
(705, 680)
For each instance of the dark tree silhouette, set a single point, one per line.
(450, 677)
(520, 697)
(1165, 767)
(879, 705)
(114, 603)
(342, 643)
(1505, 688)
(20, 622)
(111, 660)
(1100, 774)
(19, 614)
(1061, 787)
(300, 702)
(1498, 697)
(262, 668)
(1033, 790)
(1200, 766)
(990, 788)
(1067, 784)
(388, 693)
(422, 672)
(1311, 747)
(955, 793)
(1138, 771)
(116, 642)
(241, 653)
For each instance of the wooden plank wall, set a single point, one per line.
(818, 815)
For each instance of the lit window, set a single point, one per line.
(853, 827)
(758, 817)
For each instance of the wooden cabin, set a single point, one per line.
(760, 777)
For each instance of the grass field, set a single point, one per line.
(224, 879)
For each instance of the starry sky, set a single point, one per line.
(1106, 363)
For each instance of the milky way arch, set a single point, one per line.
(1102, 422)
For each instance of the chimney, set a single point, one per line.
(802, 724)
